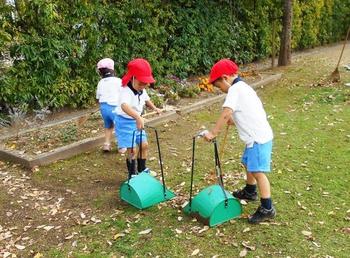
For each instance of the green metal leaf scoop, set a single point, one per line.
(213, 205)
(143, 190)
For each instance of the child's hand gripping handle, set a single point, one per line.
(202, 133)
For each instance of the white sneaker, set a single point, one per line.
(107, 147)
(150, 172)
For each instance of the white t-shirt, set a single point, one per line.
(248, 114)
(108, 90)
(134, 99)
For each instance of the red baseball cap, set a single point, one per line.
(141, 69)
(224, 66)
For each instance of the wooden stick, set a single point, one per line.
(341, 54)
(222, 147)
(152, 113)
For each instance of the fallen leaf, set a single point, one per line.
(119, 235)
(247, 246)
(145, 232)
(246, 230)
(243, 253)
(95, 220)
(178, 231)
(195, 252)
(75, 243)
(20, 247)
(306, 233)
(69, 237)
(205, 228)
(243, 202)
(316, 244)
(47, 228)
(6, 254)
(345, 230)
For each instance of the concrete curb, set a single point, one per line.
(91, 143)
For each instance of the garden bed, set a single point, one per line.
(67, 137)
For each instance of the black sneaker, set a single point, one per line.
(262, 214)
(244, 195)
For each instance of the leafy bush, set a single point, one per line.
(55, 45)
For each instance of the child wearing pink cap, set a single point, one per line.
(133, 98)
(243, 108)
(107, 94)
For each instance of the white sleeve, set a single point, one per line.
(98, 91)
(231, 100)
(124, 97)
(119, 84)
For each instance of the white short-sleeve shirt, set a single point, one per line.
(108, 90)
(248, 114)
(136, 100)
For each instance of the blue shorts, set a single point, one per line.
(107, 112)
(125, 132)
(258, 157)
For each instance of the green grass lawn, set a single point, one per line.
(310, 182)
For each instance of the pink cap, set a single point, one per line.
(224, 66)
(106, 63)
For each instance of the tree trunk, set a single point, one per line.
(286, 37)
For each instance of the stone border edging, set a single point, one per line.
(91, 143)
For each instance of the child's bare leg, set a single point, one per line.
(250, 179)
(263, 184)
(108, 135)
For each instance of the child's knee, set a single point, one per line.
(144, 145)
(131, 153)
(259, 176)
(122, 150)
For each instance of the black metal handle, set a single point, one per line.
(132, 152)
(160, 158)
(218, 170)
(192, 169)
(217, 167)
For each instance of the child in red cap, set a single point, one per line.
(133, 97)
(107, 94)
(243, 108)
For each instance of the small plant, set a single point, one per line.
(3, 121)
(173, 88)
(171, 97)
(188, 90)
(157, 98)
(16, 118)
(43, 111)
(69, 133)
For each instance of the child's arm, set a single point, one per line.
(131, 112)
(152, 106)
(225, 117)
(230, 121)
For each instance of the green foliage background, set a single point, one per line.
(55, 45)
